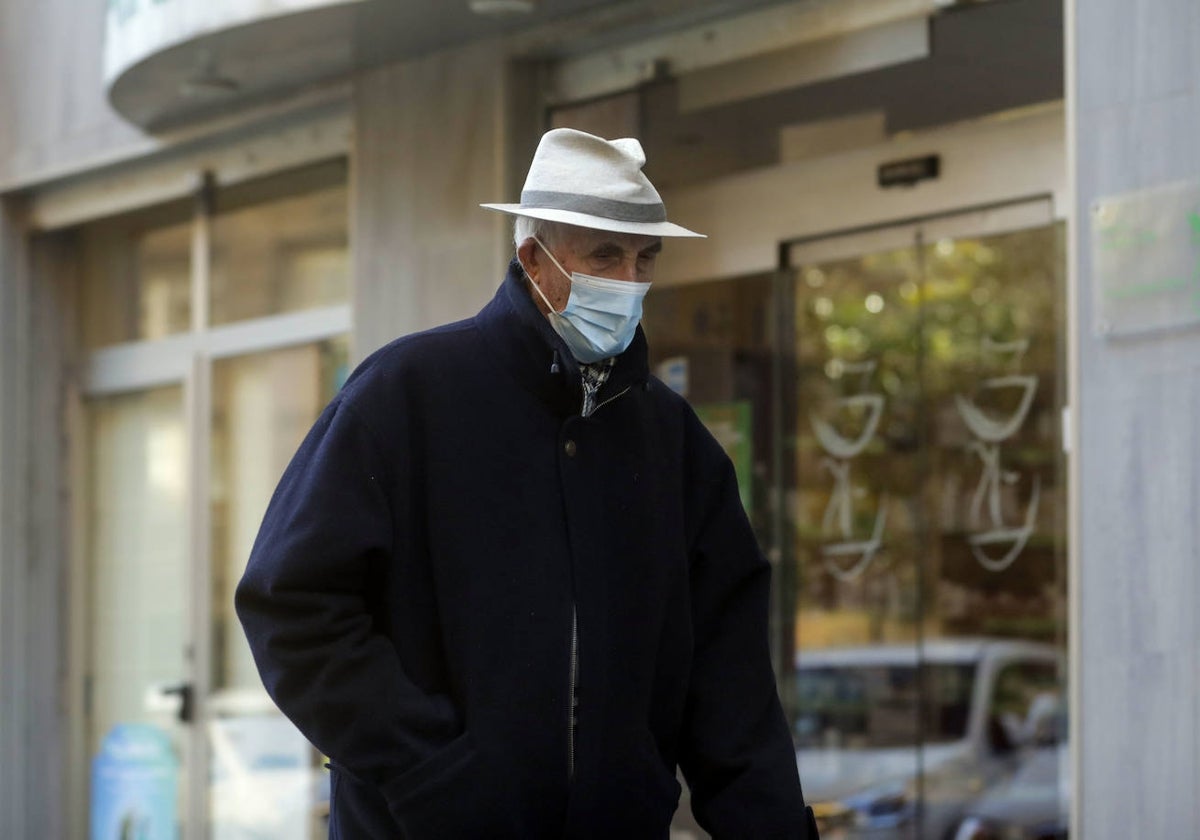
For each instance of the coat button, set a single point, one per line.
(569, 447)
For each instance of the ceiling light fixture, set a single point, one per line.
(499, 8)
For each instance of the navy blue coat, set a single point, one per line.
(411, 596)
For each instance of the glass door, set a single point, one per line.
(853, 469)
(925, 486)
(215, 331)
(138, 695)
(280, 254)
(266, 780)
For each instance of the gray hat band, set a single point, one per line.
(608, 208)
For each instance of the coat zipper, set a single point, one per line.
(610, 399)
(573, 707)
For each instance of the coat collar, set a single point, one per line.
(537, 357)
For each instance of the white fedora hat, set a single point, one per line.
(584, 180)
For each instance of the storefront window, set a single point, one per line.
(892, 403)
(187, 440)
(875, 706)
(137, 276)
(280, 245)
(267, 780)
(924, 464)
(928, 463)
(713, 344)
(138, 619)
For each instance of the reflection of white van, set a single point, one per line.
(873, 766)
(265, 784)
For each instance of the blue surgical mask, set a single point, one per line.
(601, 315)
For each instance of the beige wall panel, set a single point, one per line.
(56, 115)
(429, 147)
(747, 215)
(841, 134)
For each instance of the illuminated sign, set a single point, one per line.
(907, 173)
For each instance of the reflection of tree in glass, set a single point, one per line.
(922, 314)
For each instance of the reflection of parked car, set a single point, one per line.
(895, 742)
(1033, 803)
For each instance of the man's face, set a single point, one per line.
(615, 256)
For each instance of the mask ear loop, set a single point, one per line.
(534, 283)
(555, 367)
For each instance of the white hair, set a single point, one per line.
(526, 226)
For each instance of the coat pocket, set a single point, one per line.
(454, 793)
(663, 781)
(651, 792)
(431, 774)
(357, 810)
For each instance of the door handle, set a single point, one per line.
(186, 700)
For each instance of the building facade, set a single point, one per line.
(942, 324)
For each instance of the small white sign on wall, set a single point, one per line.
(1146, 260)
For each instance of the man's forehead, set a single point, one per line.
(590, 239)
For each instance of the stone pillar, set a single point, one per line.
(16, 619)
(36, 342)
(1135, 107)
(434, 137)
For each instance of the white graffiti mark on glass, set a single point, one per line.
(995, 431)
(838, 446)
(991, 432)
(838, 519)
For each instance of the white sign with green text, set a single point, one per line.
(1146, 260)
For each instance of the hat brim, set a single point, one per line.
(571, 217)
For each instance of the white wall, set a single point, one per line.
(747, 216)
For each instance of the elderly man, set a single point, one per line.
(506, 583)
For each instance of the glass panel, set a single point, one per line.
(136, 276)
(267, 781)
(927, 513)
(713, 343)
(996, 566)
(874, 706)
(280, 245)
(855, 510)
(137, 630)
(852, 449)
(995, 338)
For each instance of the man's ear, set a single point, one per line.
(527, 254)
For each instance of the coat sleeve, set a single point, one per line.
(302, 603)
(737, 753)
